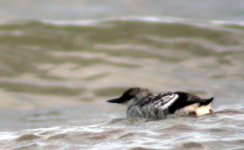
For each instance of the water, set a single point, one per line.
(222, 130)
(101, 9)
(57, 71)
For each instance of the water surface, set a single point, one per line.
(57, 71)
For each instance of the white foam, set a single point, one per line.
(143, 19)
(153, 19)
(7, 136)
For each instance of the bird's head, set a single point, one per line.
(132, 94)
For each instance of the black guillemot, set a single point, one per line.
(142, 103)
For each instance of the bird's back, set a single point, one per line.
(152, 106)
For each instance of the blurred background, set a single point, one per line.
(60, 60)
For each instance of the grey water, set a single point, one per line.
(61, 60)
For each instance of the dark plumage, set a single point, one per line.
(142, 102)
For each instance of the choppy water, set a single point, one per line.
(222, 130)
(55, 78)
(56, 75)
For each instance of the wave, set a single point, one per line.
(149, 19)
(225, 131)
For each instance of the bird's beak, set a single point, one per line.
(115, 100)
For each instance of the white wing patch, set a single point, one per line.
(165, 101)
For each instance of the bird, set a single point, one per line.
(143, 103)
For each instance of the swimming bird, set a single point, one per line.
(143, 103)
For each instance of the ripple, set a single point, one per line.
(192, 145)
(77, 64)
(27, 137)
(140, 134)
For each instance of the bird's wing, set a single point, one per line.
(163, 101)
